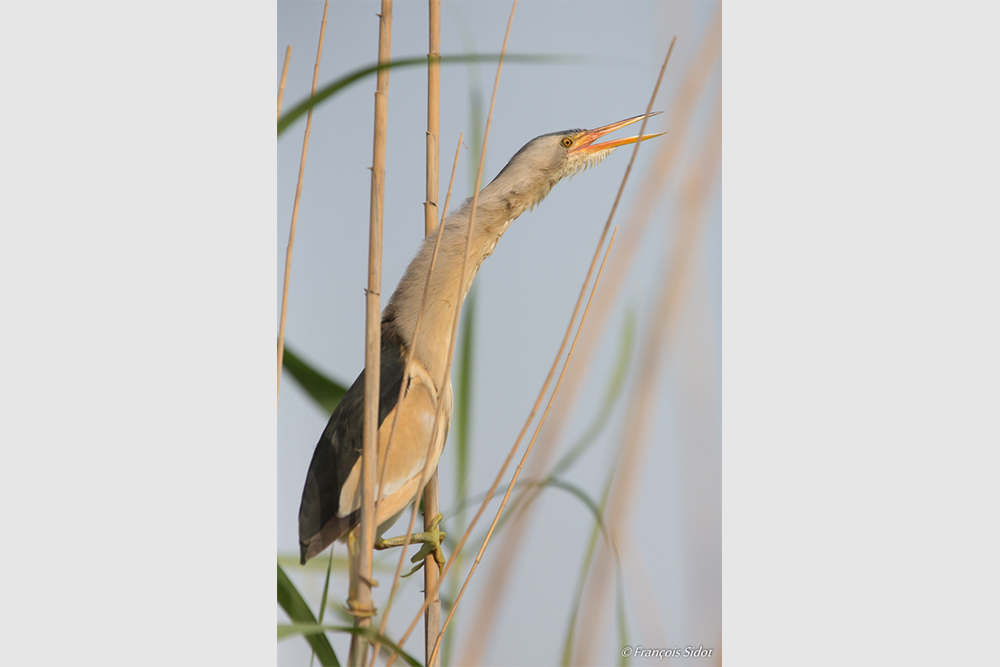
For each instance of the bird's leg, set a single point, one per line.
(353, 551)
(431, 539)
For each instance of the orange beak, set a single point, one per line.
(585, 144)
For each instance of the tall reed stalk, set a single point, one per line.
(432, 574)
(362, 582)
(284, 78)
(298, 192)
(406, 378)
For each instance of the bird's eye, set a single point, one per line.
(567, 142)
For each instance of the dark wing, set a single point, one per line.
(339, 449)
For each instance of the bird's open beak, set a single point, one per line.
(585, 144)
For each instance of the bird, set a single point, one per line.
(331, 497)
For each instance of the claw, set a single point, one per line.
(425, 551)
(431, 538)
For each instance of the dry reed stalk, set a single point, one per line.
(531, 443)
(406, 379)
(654, 183)
(298, 196)
(638, 219)
(373, 315)
(432, 594)
(698, 450)
(675, 276)
(284, 77)
(432, 573)
(636, 225)
(527, 451)
(433, 114)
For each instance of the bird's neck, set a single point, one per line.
(433, 340)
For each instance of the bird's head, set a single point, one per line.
(546, 160)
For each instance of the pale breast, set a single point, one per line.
(414, 442)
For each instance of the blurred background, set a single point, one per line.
(635, 430)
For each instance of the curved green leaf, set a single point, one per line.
(322, 389)
(326, 91)
(316, 630)
(297, 609)
(582, 495)
(585, 568)
(463, 395)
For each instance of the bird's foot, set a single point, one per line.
(431, 539)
